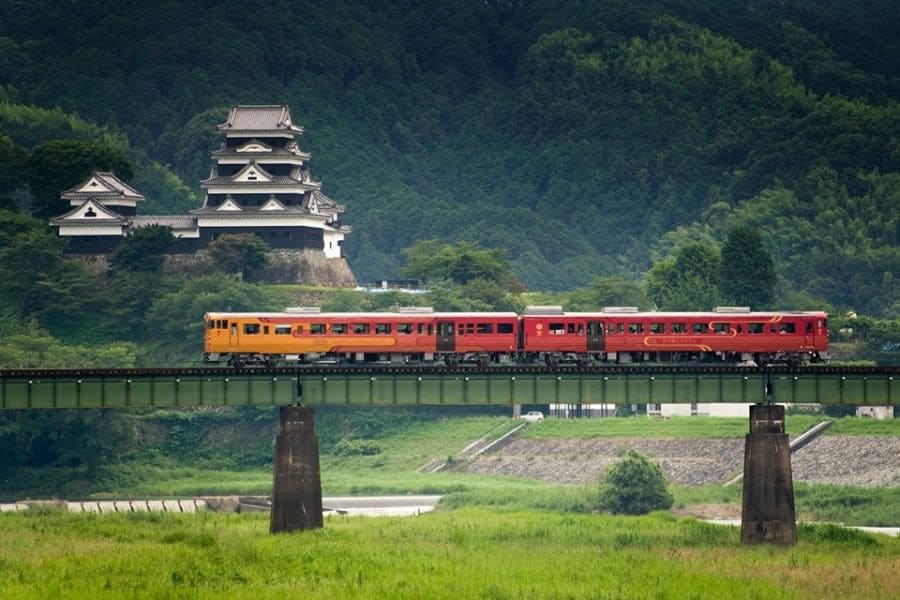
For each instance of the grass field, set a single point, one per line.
(460, 554)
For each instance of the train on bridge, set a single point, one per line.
(730, 335)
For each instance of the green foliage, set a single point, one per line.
(34, 348)
(80, 440)
(143, 250)
(36, 280)
(13, 159)
(356, 448)
(578, 138)
(57, 165)
(690, 282)
(606, 291)
(634, 486)
(461, 263)
(748, 271)
(241, 253)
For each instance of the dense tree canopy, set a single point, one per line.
(57, 165)
(747, 269)
(578, 137)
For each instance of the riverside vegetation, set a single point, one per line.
(382, 451)
(465, 553)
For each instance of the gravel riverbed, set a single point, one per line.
(864, 461)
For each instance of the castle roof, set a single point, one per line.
(102, 185)
(260, 118)
(90, 212)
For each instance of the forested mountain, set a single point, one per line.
(586, 138)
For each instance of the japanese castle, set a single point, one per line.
(260, 183)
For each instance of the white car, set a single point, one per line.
(533, 416)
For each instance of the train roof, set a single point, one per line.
(359, 315)
(693, 315)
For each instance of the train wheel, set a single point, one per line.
(451, 359)
(552, 360)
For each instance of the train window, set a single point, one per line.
(571, 328)
(251, 328)
(756, 328)
(679, 327)
(420, 328)
(210, 324)
(461, 329)
(382, 328)
(504, 327)
(339, 328)
(317, 328)
(788, 328)
(405, 328)
(809, 328)
(282, 330)
(556, 329)
(265, 330)
(721, 328)
(485, 328)
(699, 328)
(581, 329)
(635, 328)
(225, 324)
(299, 329)
(234, 329)
(657, 327)
(361, 328)
(470, 328)
(595, 328)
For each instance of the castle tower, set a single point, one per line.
(261, 184)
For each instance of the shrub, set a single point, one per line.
(356, 448)
(634, 486)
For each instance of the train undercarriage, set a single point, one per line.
(552, 359)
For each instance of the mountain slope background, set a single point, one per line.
(585, 138)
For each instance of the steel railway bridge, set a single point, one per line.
(406, 385)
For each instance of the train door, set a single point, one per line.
(446, 336)
(595, 336)
(233, 340)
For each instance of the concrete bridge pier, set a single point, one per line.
(767, 516)
(297, 487)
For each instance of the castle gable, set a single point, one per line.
(229, 205)
(272, 204)
(89, 212)
(252, 172)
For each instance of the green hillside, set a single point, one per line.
(589, 138)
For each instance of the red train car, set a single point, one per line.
(625, 335)
(399, 337)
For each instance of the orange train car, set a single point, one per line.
(399, 337)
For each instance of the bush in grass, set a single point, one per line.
(356, 448)
(634, 486)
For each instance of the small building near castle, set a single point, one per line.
(260, 183)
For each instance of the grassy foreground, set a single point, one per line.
(469, 553)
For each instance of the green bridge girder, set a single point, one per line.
(387, 385)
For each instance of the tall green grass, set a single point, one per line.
(468, 553)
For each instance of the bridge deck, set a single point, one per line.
(407, 385)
